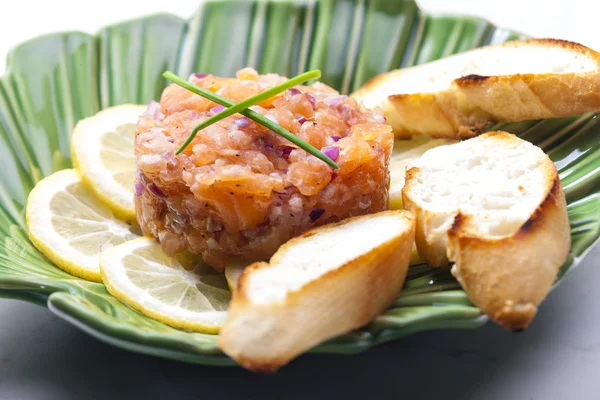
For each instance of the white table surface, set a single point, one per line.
(42, 357)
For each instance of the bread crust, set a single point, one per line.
(506, 277)
(431, 247)
(471, 102)
(263, 337)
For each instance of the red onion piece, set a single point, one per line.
(269, 146)
(285, 151)
(333, 175)
(294, 92)
(241, 122)
(302, 120)
(334, 100)
(316, 213)
(336, 138)
(169, 157)
(285, 192)
(217, 109)
(311, 100)
(156, 190)
(332, 152)
(138, 189)
(153, 111)
(379, 118)
(200, 75)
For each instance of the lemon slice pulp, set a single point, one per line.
(179, 291)
(70, 226)
(233, 271)
(102, 152)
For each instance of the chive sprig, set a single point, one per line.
(242, 108)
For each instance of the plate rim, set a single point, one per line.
(32, 290)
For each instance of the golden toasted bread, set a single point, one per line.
(321, 284)
(493, 205)
(457, 96)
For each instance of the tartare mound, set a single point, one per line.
(239, 189)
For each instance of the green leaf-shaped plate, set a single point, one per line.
(53, 81)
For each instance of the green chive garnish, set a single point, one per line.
(242, 108)
(249, 102)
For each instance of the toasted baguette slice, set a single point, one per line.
(458, 95)
(321, 284)
(495, 206)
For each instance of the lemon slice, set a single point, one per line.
(178, 291)
(406, 151)
(102, 152)
(233, 271)
(70, 226)
(414, 255)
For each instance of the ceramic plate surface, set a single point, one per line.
(55, 80)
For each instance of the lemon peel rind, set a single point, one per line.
(108, 258)
(120, 207)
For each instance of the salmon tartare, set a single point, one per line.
(241, 190)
